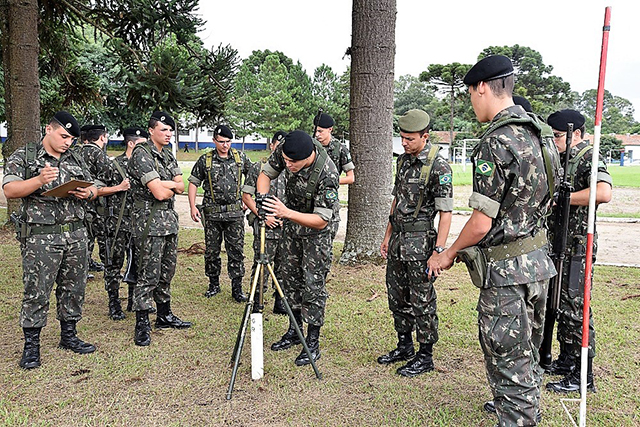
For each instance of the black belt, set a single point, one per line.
(233, 207)
(161, 205)
(54, 228)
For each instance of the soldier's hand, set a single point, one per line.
(48, 174)
(384, 249)
(124, 185)
(274, 206)
(260, 198)
(195, 214)
(272, 222)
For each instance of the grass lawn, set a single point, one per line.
(182, 378)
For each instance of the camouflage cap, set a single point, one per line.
(414, 121)
(68, 122)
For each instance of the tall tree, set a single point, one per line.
(372, 67)
(617, 112)
(331, 93)
(20, 50)
(448, 78)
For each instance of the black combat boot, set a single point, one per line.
(404, 351)
(422, 362)
(290, 338)
(31, 353)
(142, 332)
(130, 297)
(571, 382)
(313, 342)
(563, 365)
(236, 290)
(490, 407)
(278, 304)
(214, 287)
(70, 341)
(115, 309)
(166, 319)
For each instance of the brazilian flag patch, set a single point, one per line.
(485, 167)
(331, 195)
(445, 179)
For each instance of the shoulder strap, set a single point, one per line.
(120, 170)
(315, 175)
(424, 176)
(30, 157)
(573, 163)
(236, 157)
(208, 162)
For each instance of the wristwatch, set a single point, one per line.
(439, 249)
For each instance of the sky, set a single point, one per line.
(567, 33)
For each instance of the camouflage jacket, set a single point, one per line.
(510, 186)
(225, 180)
(437, 196)
(100, 168)
(114, 202)
(324, 197)
(277, 188)
(580, 179)
(340, 155)
(36, 208)
(146, 164)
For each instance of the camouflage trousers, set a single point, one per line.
(97, 231)
(571, 306)
(511, 324)
(233, 233)
(273, 254)
(118, 251)
(305, 264)
(49, 259)
(157, 257)
(412, 299)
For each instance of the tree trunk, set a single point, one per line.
(20, 48)
(371, 123)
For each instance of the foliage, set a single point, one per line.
(331, 93)
(534, 81)
(609, 144)
(617, 112)
(271, 93)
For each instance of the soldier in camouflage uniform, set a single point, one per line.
(118, 211)
(220, 172)
(573, 274)
(109, 182)
(311, 198)
(423, 187)
(155, 180)
(273, 225)
(53, 239)
(341, 157)
(510, 200)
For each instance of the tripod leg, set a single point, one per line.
(237, 351)
(293, 321)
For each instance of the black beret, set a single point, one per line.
(87, 128)
(68, 122)
(489, 68)
(135, 131)
(523, 102)
(223, 130)
(323, 121)
(279, 136)
(560, 119)
(298, 145)
(164, 118)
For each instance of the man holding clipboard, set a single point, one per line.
(53, 239)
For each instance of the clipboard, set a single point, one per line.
(62, 190)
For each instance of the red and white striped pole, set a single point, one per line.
(591, 217)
